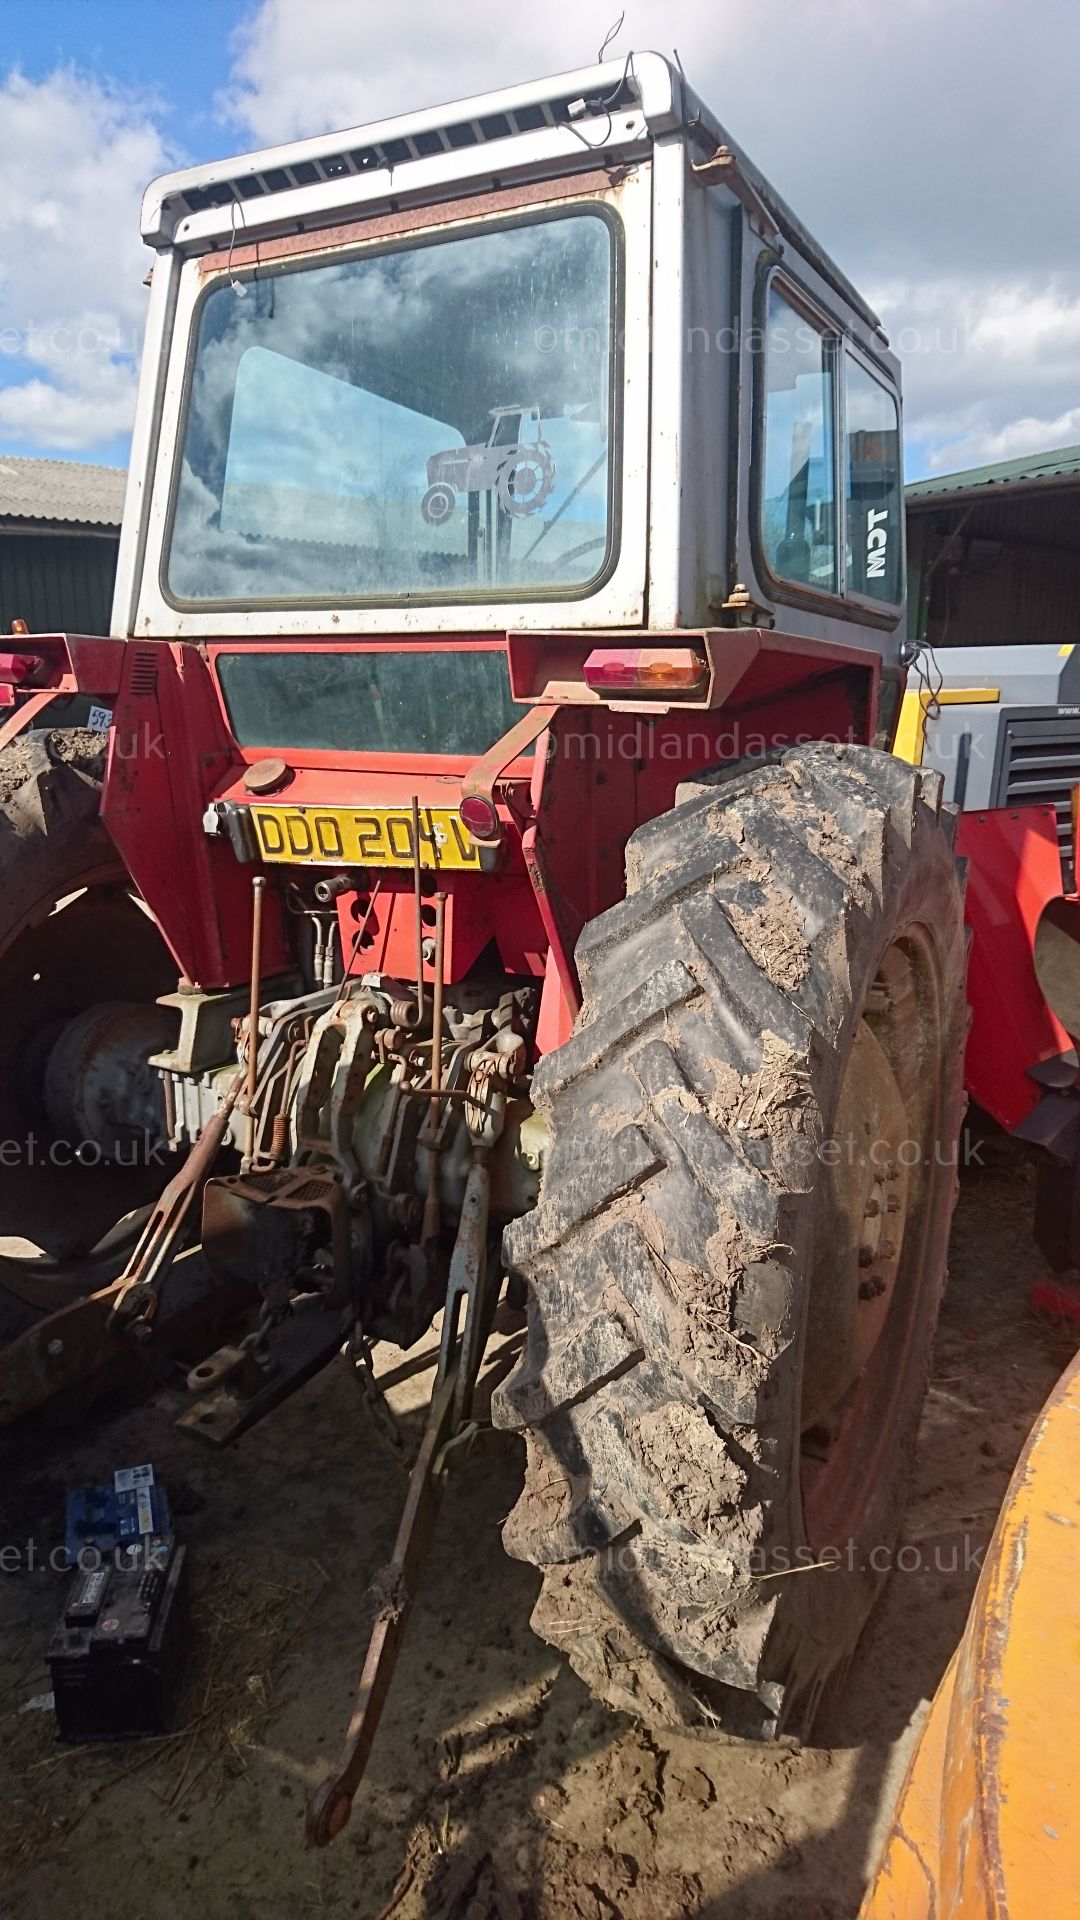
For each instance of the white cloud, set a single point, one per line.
(1029, 435)
(75, 154)
(991, 366)
(930, 148)
(306, 69)
(60, 421)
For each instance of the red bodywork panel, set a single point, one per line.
(1014, 870)
(169, 752)
(567, 813)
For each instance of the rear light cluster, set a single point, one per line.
(646, 670)
(17, 670)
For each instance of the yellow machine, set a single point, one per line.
(987, 1826)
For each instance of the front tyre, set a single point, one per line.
(738, 1252)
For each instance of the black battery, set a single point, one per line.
(115, 1657)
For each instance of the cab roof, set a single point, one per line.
(568, 119)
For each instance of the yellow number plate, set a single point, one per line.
(375, 837)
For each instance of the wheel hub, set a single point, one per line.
(99, 1088)
(864, 1212)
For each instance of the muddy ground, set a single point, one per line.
(497, 1790)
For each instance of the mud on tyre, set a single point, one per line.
(736, 1260)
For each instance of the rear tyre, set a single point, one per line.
(736, 1260)
(71, 935)
(526, 481)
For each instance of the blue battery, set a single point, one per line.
(133, 1509)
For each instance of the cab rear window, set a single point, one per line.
(422, 419)
(452, 703)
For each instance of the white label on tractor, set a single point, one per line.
(100, 719)
(877, 540)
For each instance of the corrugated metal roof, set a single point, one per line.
(1061, 463)
(67, 492)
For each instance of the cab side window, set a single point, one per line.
(799, 503)
(830, 499)
(871, 486)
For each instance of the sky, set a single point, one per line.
(930, 145)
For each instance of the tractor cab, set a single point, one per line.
(558, 358)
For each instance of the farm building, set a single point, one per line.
(994, 553)
(59, 534)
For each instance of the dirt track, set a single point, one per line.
(497, 1789)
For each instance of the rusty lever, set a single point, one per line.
(459, 1362)
(137, 1289)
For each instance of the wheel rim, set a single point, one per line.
(871, 1283)
(438, 507)
(524, 484)
(58, 959)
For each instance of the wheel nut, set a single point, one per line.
(866, 1256)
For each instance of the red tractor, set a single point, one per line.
(519, 468)
(548, 918)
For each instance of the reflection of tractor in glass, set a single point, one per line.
(523, 472)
